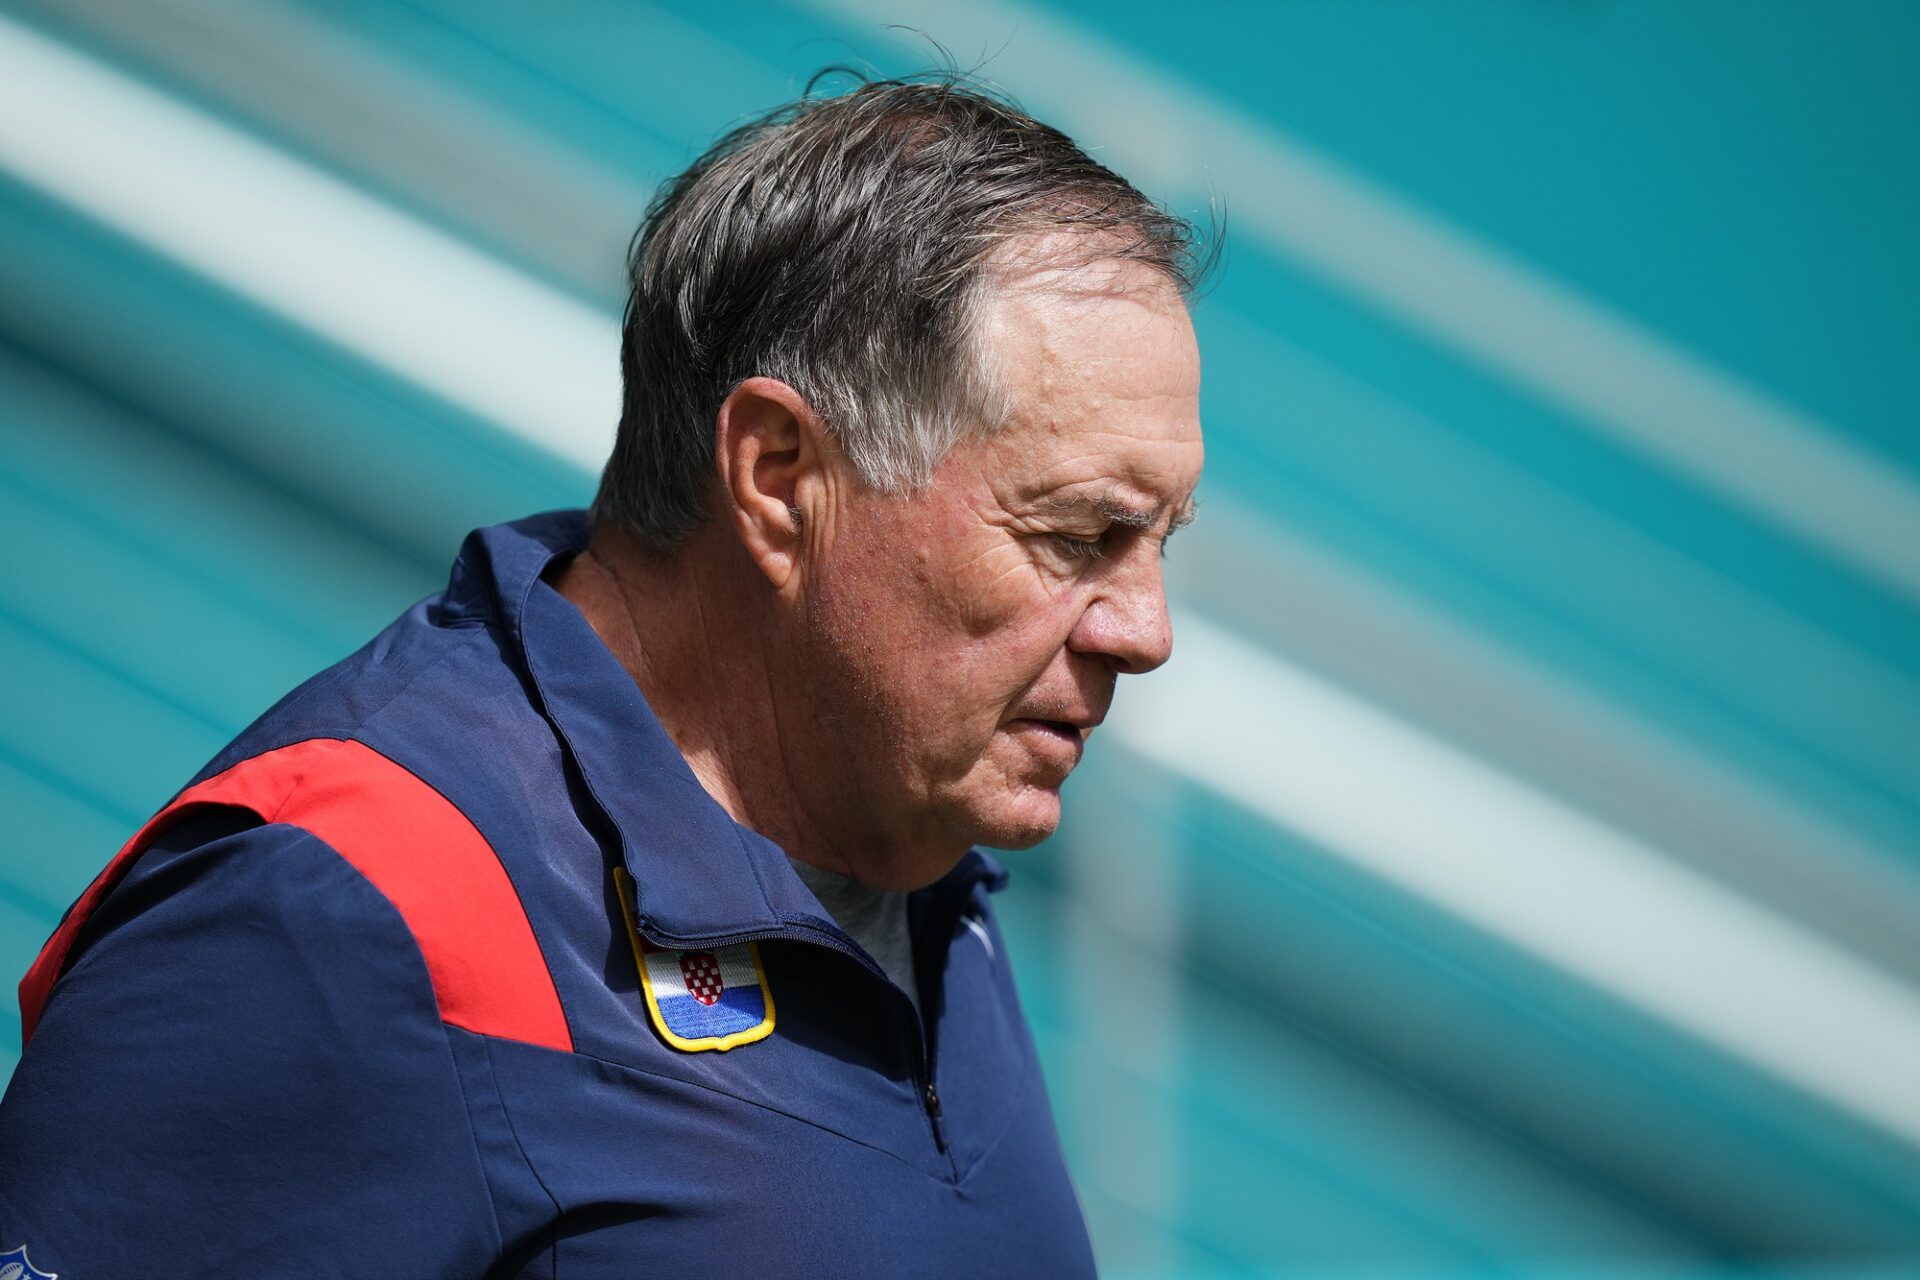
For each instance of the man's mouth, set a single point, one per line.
(1066, 730)
(1061, 741)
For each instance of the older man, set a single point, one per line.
(615, 912)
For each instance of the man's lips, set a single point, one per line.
(1074, 731)
(1059, 728)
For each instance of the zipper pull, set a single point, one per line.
(934, 1120)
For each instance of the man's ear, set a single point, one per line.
(770, 450)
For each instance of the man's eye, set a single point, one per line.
(1078, 548)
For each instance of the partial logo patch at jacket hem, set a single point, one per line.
(700, 999)
(14, 1266)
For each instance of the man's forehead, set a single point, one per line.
(1104, 356)
(1067, 306)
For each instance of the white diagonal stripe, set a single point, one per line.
(1527, 868)
(395, 291)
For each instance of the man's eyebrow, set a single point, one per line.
(1116, 511)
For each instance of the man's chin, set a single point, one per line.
(1023, 821)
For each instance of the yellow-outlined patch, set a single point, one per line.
(623, 889)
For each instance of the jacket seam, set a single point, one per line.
(763, 1106)
(506, 1113)
(459, 1081)
(423, 974)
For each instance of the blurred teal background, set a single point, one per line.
(1517, 870)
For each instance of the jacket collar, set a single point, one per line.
(698, 874)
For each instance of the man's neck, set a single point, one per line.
(696, 632)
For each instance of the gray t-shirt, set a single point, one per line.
(874, 918)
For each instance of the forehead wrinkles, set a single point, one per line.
(1057, 468)
(1118, 326)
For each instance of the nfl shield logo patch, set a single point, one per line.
(698, 1000)
(14, 1266)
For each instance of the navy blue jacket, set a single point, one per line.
(368, 999)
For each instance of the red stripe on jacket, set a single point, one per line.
(413, 845)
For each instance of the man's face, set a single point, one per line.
(973, 631)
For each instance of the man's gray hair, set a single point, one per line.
(842, 245)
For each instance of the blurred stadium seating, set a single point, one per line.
(1516, 872)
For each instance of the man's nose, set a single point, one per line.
(1126, 622)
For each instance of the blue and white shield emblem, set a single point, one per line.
(14, 1266)
(700, 999)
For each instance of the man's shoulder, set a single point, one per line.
(217, 890)
(431, 869)
(423, 763)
